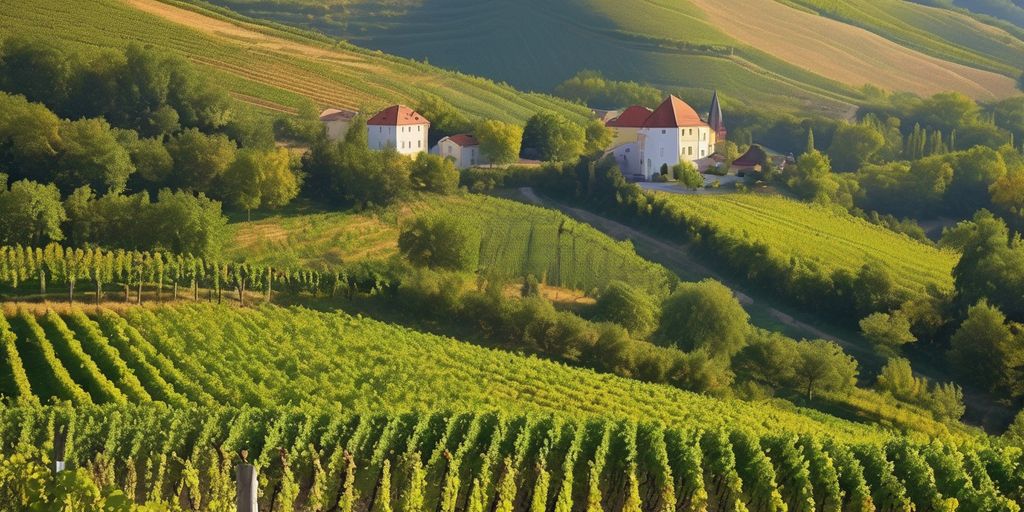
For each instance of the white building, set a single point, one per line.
(671, 134)
(400, 128)
(336, 122)
(463, 149)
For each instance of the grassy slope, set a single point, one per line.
(817, 65)
(270, 68)
(943, 33)
(517, 240)
(824, 237)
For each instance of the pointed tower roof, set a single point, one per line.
(673, 113)
(715, 119)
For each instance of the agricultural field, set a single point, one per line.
(270, 356)
(516, 240)
(274, 70)
(691, 46)
(822, 236)
(327, 459)
(941, 33)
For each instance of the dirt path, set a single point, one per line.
(679, 259)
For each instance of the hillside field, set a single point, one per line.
(271, 69)
(691, 46)
(822, 237)
(516, 240)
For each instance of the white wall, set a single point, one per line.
(628, 158)
(336, 129)
(464, 157)
(658, 146)
(407, 140)
(670, 146)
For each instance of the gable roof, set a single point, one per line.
(464, 140)
(334, 114)
(673, 113)
(754, 156)
(397, 115)
(632, 117)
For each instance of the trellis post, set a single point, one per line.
(246, 490)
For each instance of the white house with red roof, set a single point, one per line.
(336, 122)
(645, 140)
(400, 128)
(463, 149)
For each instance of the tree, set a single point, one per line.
(598, 137)
(768, 361)
(1015, 432)
(854, 145)
(185, 223)
(372, 177)
(434, 173)
(873, 288)
(91, 155)
(31, 214)
(439, 240)
(500, 142)
(200, 159)
(704, 314)
(259, 178)
(946, 111)
(35, 69)
(554, 137)
(823, 366)
(29, 137)
(444, 118)
(991, 266)
(811, 178)
(152, 161)
(897, 379)
(987, 353)
(688, 175)
(887, 332)
(628, 307)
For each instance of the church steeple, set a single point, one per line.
(715, 119)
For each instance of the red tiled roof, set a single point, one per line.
(632, 117)
(333, 114)
(673, 113)
(464, 140)
(397, 115)
(754, 156)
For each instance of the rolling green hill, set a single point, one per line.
(517, 240)
(270, 68)
(822, 238)
(762, 52)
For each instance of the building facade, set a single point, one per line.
(336, 122)
(463, 149)
(400, 128)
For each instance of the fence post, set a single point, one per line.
(246, 490)
(60, 436)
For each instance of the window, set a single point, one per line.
(702, 153)
(691, 131)
(419, 143)
(689, 150)
(662, 153)
(663, 132)
(419, 128)
(627, 150)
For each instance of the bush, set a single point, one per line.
(628, 307)
(437, 240)
(434, 173)
(704, 315)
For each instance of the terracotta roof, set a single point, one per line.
(673, 113)
(632, 117)
(333, 114)
(464, 140)
(397, 115)
(754, 156)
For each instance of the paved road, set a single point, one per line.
(727, 185)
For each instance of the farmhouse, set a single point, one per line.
(463, 148)
(336, 122)
(400, 128)
(644, 140)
